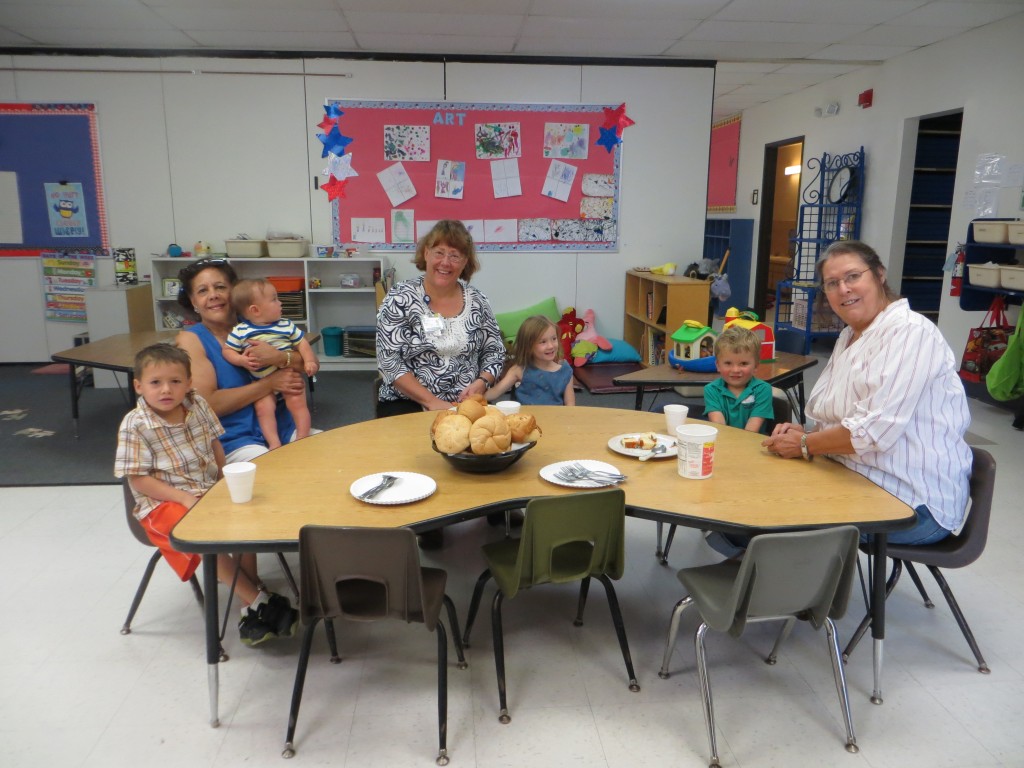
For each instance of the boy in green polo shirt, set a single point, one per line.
(738, 399)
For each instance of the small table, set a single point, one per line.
(785, 372)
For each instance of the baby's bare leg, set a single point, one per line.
(266, 415)
(300, 412)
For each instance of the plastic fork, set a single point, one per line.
(386, 481)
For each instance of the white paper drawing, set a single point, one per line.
(407, 142)
(505, 178)
(497, 140)
(583, 231)
(397, 184)
(598, 185)
(450, 180)
(558, 182)
(570, 141)
(10, 208)
(475, 227)
(368, 230)
(534, 230)
(403, 226)
(596, 207)
(424, 227)
(500, 230)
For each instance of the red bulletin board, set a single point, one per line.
(723, 165)
(452, 133)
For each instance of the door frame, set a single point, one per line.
(764, 230)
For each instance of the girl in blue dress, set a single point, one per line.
(537, 371)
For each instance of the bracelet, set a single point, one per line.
(803, 448)
(288, 358)
(487, 384)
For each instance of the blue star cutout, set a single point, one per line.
(608, 139)
(334, 142)
(333, 111)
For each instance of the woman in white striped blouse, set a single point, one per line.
(889, 403)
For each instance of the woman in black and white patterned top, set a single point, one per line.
(437, 339)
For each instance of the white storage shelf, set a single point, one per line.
(327, 306)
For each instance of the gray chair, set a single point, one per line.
(803, 575)
(782, 411)
(951, 552)
(370, 574)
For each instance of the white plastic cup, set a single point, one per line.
(508, 407)
(696, 450)
(240, 478)
(675, 415)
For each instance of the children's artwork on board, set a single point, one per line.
(500, 230)
(596, 208)
(531, 230)
(368, 230)
(397, 184)
(403, 226)
(423, 227)
(495, 141)
(598, 185)
(584, 230)
(450, 181)
(566, 141)
(407, 142)
(559, 179)
(505, 178)
(125, 271)
(475, 227)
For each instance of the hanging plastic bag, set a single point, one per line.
(986, 343)
(1005, 379)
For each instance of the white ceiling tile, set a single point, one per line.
(819, 66)
(747, 66)
(390, 42)
(245, 6)
(636, 28)
(654, 10)
(258, 40)
(961, 14)
(581, 46)
(98, 16)
(861, 52)
(469, 25)
(767, 31)
(759, 89)
(454, 7)
(111, 38)
(261, 19)
(706, 49)
(898, 34)
(808, 11)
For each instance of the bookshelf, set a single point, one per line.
(656, 307)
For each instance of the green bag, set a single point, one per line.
(1005, 380)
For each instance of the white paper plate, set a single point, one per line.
(548, 473)
(616, 445)
(410, 487)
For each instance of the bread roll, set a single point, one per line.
(489, 435)
(520, 425)
(441, 416)
(452, 435)
(472, 409)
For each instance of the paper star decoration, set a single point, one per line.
(608, 139)
(327, 123)
(617, 118)
(334, 142)
(333, 110)
(334, 188)
(339, 167)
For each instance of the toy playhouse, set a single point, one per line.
(764, 332)
(693, 347)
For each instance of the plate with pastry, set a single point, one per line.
(639, 443)
(406, 488)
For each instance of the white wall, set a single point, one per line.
(202, 149)
(979, 72)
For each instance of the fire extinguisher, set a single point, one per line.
(956, 283)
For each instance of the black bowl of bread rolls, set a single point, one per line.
(477, 437)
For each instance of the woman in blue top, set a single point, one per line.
(231, 391)
(537, 371)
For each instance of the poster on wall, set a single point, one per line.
(65, 277)
(723, 165)
(522, 176)
(65, 207)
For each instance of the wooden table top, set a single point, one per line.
(116, 353)
(784, 364)
(307, 482)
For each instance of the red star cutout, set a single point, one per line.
(617, 118)
(334, 188)
(327, 123)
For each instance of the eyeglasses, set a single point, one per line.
(849, 280)
(451, 254)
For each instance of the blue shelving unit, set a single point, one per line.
(737, 237)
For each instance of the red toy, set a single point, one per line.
(569, 327)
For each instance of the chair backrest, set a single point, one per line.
(802, 573)
(129, 507)
(782, 411)
(567, 538)
(362, 574)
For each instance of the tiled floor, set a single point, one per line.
(77, 693)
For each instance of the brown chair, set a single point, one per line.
(370, 574)
(782, 411)
(951, 552)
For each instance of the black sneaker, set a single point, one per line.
(253, 629)
(278, 614)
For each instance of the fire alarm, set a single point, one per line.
(865, 98)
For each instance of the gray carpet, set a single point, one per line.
(38, 444)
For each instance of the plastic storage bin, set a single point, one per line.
(990, 232)
(984, 275)
(1015, 232)
(1012, 278)
(286, 283)
(245, 249)
(288, 249)
(332, 336)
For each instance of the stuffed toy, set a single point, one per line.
(568, 327)
(588, 341)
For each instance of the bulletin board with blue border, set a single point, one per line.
(51, 190)
(538, 177)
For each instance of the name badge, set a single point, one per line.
(433, 326)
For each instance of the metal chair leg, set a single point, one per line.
(773, 657)
(442, 694)
(288, 575)
(300, 681)
(620, 630)
(584, 590)
(840, 677)
(332, 641)
(960, 619)
(668, 544)
(453, 622)
(673, 630)
(918, 583)
(499, 657)
(474, 605)
(705, 692)
(657, 547)
(126, 629)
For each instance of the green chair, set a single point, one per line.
(564, 539)
(370, 574)
(803, 575)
